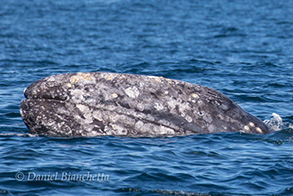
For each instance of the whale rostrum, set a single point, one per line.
(97, 104)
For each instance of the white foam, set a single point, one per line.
(275, 123)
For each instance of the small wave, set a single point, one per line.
(160, 192)
(18, 134)
(280, 137)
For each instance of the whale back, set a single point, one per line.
(95, 104)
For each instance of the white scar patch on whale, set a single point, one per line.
(132, 92)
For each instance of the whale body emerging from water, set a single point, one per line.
(96, 104)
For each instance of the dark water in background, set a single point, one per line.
(243, 49)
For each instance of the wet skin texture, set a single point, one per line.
(95, 104)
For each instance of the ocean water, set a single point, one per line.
(243, 49)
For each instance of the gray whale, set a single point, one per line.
(96, 104)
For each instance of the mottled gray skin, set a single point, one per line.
(95, 104)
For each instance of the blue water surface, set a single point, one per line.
(243, 49)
